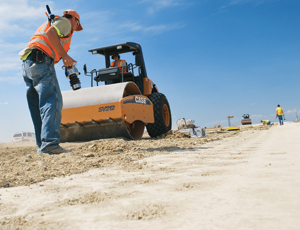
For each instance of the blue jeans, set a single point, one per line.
(280, 119)
(44, 102)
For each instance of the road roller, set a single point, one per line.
(246, 120)
(124, 104)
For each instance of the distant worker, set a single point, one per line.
(265, 122)
(280, 114)
(119, 63)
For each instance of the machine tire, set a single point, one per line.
(162, 115)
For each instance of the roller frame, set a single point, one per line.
(105, 112)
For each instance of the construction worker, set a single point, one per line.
(280, 114)
(49, 44)
(118, 63)
(265, 122)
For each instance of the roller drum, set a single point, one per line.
(94, 132)
(79, 103)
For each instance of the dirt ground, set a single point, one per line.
(247, 179)
(22, 166)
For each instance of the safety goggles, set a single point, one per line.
(78, 23)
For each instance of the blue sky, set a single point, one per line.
(211, 58)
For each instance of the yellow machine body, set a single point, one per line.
(246, 122)
(129, 109)
(104, 112)
(234, 128)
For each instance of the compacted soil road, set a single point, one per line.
(250, 180)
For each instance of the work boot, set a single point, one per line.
(57, 151)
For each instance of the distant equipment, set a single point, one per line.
(23, 136)
(246, 120)
(229, 125)
(185, 126)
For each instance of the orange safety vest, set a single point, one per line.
(119, 65)
(40, 41)
(279, 111)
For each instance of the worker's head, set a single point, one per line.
(74, 18)
(278, 105)
(115, 55)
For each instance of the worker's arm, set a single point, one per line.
(55, 41)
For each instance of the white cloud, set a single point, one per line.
(13, 80)
(234, 2)
(157, 5)
(7, 47)
(292, 111)
(257, 116)
(256, 2)
(224, 8)
(21, 15)
(115, 29)
(9, 58)
(14, 64)
(163, 28)
(19, 20)
(3, 103)
(102, 21)
(21, 10)
(220, 122)
(162, 3)
(154, 29)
